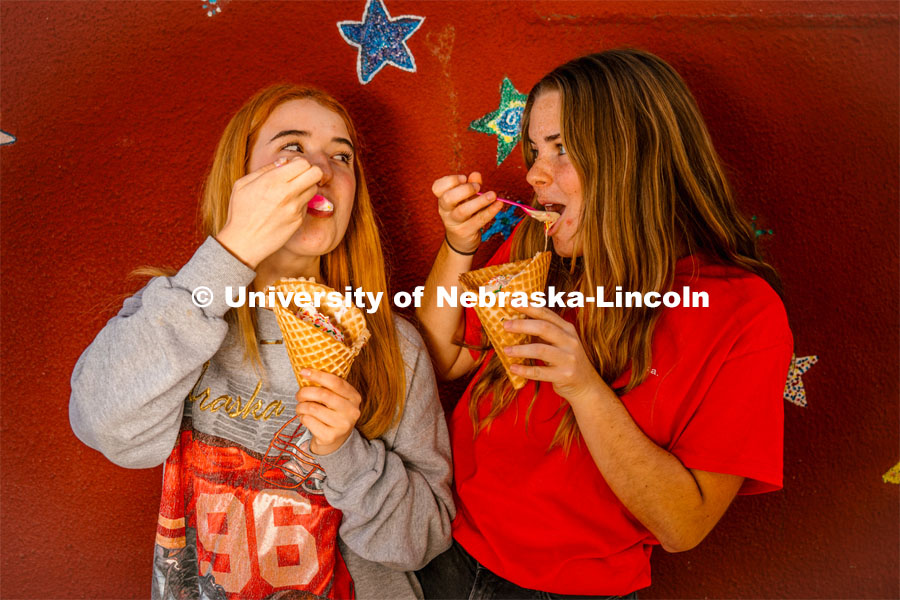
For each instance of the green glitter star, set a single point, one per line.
(505, 122)
(759, 232)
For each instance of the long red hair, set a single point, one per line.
(358, 261)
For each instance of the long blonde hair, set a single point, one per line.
(652, 185)
(378, 372)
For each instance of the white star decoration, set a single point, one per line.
(794, 392)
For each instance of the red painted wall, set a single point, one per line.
(116, 107)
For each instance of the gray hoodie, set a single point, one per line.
(164, 369)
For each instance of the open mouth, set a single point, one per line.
(557, 208)
(320, 207)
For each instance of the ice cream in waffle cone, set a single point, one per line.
(316, 343)
(529, 275)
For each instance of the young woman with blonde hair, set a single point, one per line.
(639, 425)
(203, 390)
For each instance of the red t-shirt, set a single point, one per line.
(713, 398)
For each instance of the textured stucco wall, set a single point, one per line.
(117, 106)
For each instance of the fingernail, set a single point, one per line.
(461, 178)
(305, 373)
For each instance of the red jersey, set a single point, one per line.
(713, 398)
(225, 533)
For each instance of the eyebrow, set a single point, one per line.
(549, 138)
(300, 133)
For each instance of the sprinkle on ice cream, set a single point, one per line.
(309, 314)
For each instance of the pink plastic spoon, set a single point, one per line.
(545, 216)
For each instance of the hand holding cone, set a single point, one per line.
(287, 462)
(530, 275)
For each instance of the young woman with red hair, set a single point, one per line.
(204, 390)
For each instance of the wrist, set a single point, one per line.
(326, 449)
(459, 248)
(233, 245)
(593, 395)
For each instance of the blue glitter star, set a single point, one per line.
(381, 40)
(503, 224)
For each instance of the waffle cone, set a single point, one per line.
(532, 277)
(309, 347)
